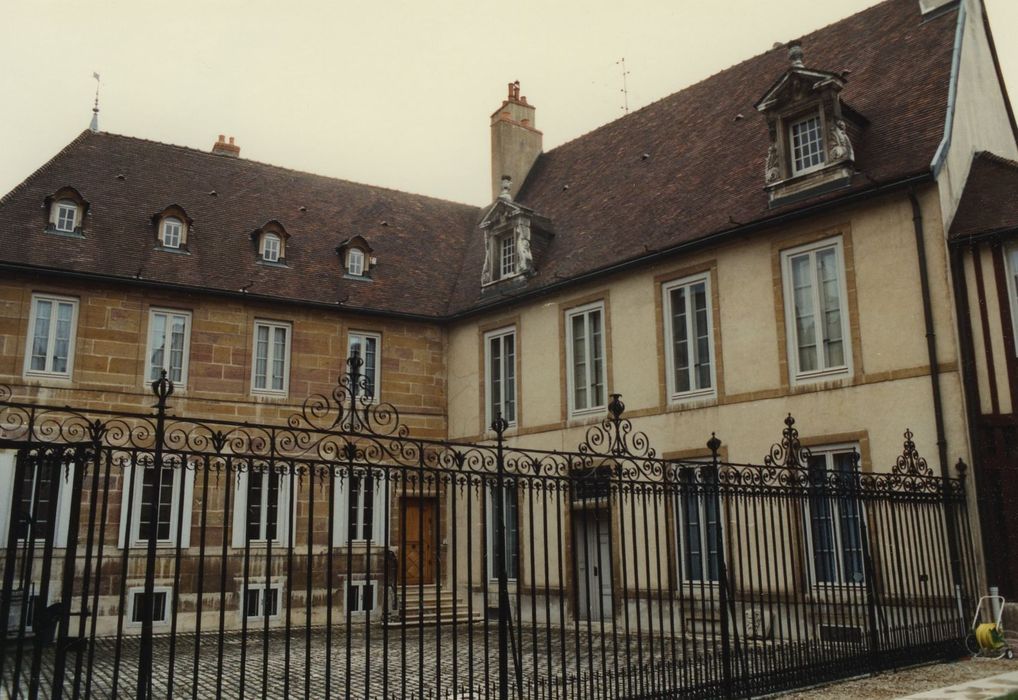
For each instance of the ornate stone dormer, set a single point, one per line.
(810, 149)
(507, 239)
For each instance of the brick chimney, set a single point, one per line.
(222, 148)
(515, 143)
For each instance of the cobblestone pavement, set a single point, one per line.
(450, 665)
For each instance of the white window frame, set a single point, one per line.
(499, 336)
(270, 358)
(286, 495)
(8, 464)
(55, 300)
(259, 587)
(507, 264)
(181, 477)
(164, 232)
(791, 333)
(132, 598)
(666, 291)
(698, 486)
(372, 584)
(1011, 267)
(585, 310)
(828, 452)
(362, 337)
(379, 508)
(489, 522)
(791, 143)
(271, 253)
(150, 349)
(355, 262)
(59, 207)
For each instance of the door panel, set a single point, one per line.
(419, 519)
(593, 567)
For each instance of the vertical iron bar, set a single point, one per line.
(499, 426)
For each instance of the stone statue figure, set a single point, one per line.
(772, 171)
(523, 254)
(841, 147)
(486, 270)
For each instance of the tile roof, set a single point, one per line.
(703, 176)
(989, 201)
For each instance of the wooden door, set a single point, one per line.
(593, 565)
(419, 523)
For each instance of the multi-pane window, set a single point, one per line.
(836, 523)
(355, 262)
(807, 144)
(263, 505)
(172, 233)
(585, 346)
(689, 337)
(270, 247)
(367, 346)
(364, 498)
(507, 256)
(66, 216)
(815, 306)
(159, 608)
(155, 509)
(261, 601)
(51, 336)
(360, 596)
(168, 340)
(510, 512)
(699, 527)
(500, 371)
(271, 366)
(37, 507)
(1012, 265)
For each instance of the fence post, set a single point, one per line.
(714, 445)
(498, 513)
(869, 571)
(163, 389)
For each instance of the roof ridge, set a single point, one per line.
(192, 150)
(35, 173)
(716, 73)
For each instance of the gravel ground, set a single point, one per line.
(897, 684)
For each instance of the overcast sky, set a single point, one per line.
(393, 92)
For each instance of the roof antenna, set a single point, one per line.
(625, 85)
(94, 126)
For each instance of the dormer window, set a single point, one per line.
(172, 232)
(66, 212)
(270, 247)
(811, 132)
(271, 240)
(172, 228)
(66, 216)
(507, 237)
(807, 139)
(355, 262)
(355, 255)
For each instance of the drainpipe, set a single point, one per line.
(931, 336)
(938, 406)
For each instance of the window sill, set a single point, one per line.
(77, 233)
(693, 399)
(57, 379)
(588, 416)
(271, 395)
(272, 263)
(812, 379)
(357, 278)
(175, 251)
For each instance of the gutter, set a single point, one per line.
(940, 156)
(192, 289)
(704, 242)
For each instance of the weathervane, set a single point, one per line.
(94, 126)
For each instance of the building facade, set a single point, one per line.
(822, 230)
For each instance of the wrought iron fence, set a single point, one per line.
(338, 556)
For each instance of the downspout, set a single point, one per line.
(938, 404)
(931, 335)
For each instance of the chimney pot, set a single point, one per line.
(222, 148)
